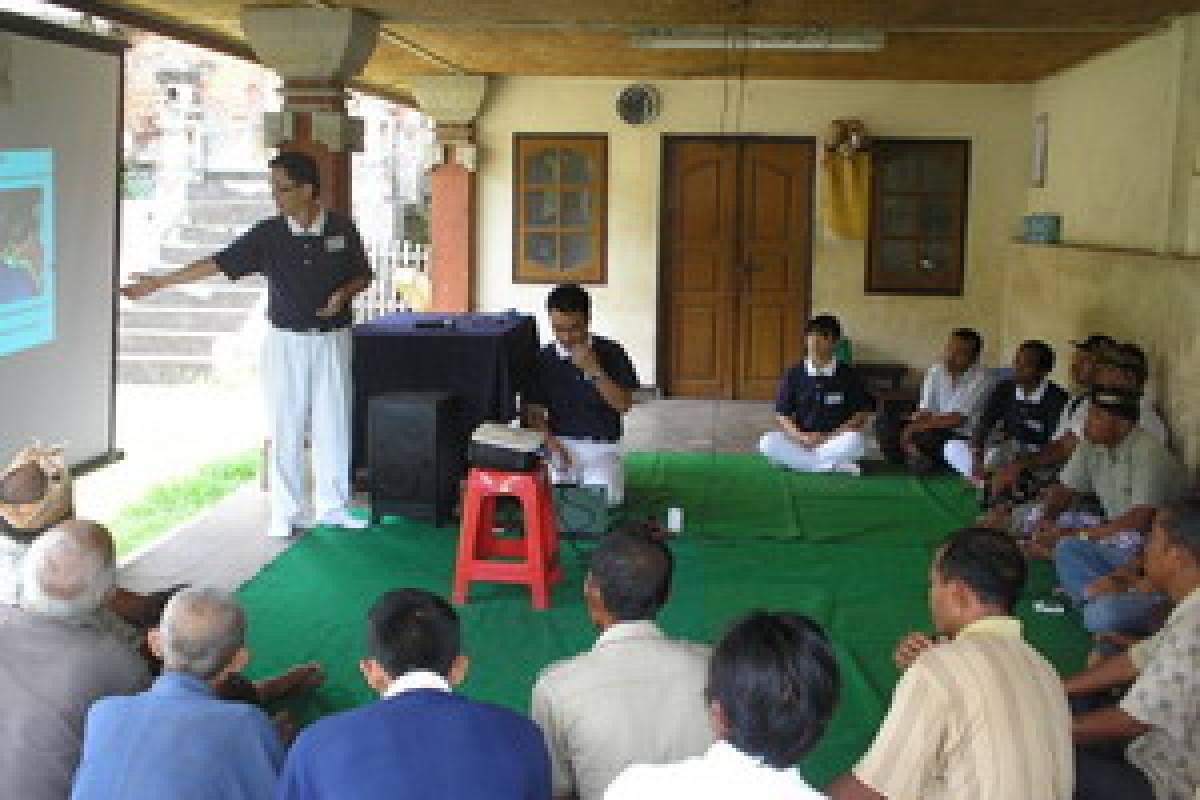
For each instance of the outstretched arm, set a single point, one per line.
(149, 284)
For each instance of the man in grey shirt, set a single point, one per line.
(1133, 474)
(637, 697)
(55, 662)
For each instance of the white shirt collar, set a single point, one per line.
(318, 225)
(820, 372)
(1034, 398)
(973, 372)
(417, 679)
(563, 352)
(620, 631)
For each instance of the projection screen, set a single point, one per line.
(60, 128)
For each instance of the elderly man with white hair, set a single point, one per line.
(55, 662)
(179, 739)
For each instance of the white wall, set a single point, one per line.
(996, 118)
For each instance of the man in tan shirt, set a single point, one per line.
(1159, 717)
(976, 716)
(637, 697)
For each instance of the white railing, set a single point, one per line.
(401, 280)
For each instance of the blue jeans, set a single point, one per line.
(1080, 562)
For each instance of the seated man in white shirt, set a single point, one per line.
(772, 687)
(636, 696)
(952, 398)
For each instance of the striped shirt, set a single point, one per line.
(983, 717)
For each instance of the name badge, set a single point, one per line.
(335, 244)
(833, 399)
(1033, 424)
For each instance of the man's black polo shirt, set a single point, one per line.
(301, 271)
(821, 403)
(1031, 421)
(577, 410)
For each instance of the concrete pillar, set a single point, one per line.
(316, 51)
(453, 101)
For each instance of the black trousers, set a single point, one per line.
(1103, 773)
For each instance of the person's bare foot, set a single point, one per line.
(299, 678)
(285, 726)
(999, 518)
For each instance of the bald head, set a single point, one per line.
(202, 631)
(68, 571)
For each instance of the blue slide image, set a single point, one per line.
(27, 275)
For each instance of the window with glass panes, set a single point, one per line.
(918, 223)
(560, 208)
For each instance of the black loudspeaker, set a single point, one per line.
(416, 455)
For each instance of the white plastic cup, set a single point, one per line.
(675, 519)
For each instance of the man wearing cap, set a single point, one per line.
(314, 264)
(1090, 365)
(1132, 474)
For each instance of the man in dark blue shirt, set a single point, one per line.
(582, 386)
(822, 407)
(314, 263)
(421, 740)
(1018, 419)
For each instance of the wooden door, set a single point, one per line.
(737, 243)
(700, 251)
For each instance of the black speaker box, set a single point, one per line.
(416, 455)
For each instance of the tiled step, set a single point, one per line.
(177, 318)
(151, 342)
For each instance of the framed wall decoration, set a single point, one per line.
(560, 208)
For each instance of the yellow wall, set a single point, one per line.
(1060, 294)
(995, 118)
(1111, 135)
(1119, 147)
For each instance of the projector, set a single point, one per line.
(497, 446)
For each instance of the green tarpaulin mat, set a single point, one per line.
(853, 553)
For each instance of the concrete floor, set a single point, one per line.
(227, 546)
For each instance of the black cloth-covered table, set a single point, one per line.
(486, 360)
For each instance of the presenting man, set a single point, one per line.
(583, 384)
(314, 263)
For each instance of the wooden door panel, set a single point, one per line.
(736, 258)
(696, 356)
(775, 260)
(700, 230)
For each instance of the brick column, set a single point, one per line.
(453, 102)
(316, 51)
(452, 233)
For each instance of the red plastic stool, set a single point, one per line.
(536, 552)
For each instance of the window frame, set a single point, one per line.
(526, 272)
(955, 281)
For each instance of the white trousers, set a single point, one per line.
(957, 453)
(306, 384)
(592, 464)
(843, 448)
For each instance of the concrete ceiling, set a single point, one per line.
(989, 41)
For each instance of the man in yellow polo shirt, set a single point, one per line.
(977, 714)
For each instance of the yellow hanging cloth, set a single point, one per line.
(845, 194)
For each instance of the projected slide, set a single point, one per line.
(26, 249)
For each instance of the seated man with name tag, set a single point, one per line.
(1019, 418)
(822, 407)
(582, 385)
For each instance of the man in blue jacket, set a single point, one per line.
(179, 739)
(420, 740)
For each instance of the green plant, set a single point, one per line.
(166, 506)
